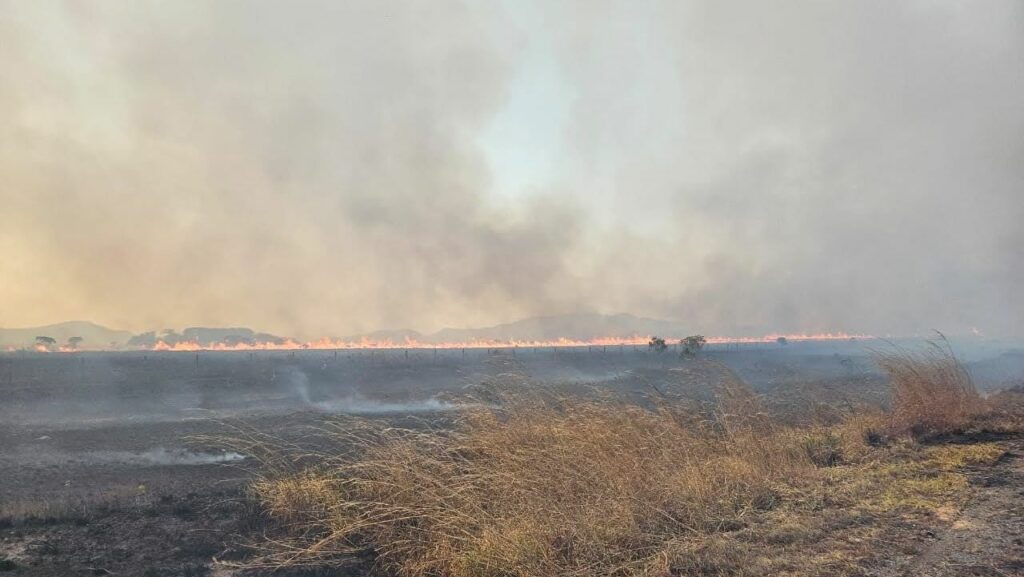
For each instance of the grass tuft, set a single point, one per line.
(932, 392)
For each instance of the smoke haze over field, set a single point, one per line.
(318, 168)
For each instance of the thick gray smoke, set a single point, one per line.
(318, 168)
(813, 164)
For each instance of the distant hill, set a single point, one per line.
(93, 335)
(582, 326)
(575, 326)
(207, 335)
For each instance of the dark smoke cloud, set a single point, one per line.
(315, 168)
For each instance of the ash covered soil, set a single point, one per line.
(101, 471)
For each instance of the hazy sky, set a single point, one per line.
(333, 167)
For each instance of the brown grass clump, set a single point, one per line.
(535, 487)
(932, 392)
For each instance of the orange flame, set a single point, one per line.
(370, 344)
(798, 337)
(41, 348)
(378, 344)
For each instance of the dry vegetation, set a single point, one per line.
(933, 396)
(932, 393)
(534, 485)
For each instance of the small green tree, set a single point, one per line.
(73, 342)
(782, 341)
(657, 344)
(692, 345)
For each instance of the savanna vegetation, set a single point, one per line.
(533, 483)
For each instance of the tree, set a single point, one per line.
(692, 345)
(44, 343)
(782, 341)
(657, 344)
(73, 342)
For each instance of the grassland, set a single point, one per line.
(636, 463)
(526, 484)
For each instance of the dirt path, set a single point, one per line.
(987, 539)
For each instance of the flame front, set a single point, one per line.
(380, 344)
(371, 344)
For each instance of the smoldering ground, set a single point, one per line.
(335, 399)
(112, 389)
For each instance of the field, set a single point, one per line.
(161, 463)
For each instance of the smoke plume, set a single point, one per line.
(312, 168)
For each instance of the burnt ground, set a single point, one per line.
(139, 499)
(101, 472)
(80, 503)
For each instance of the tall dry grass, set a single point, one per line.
(527, 484)
(534, 486)
(932, 392)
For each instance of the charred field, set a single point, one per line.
(112, 463)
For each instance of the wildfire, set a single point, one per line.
(798, 337)
(381, 344)
(334, 344)
(371, 344)
(41, 348)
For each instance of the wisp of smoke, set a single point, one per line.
(354, 403)
(358, 405)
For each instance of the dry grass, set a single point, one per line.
(533, 485)
(536, 486)
(1004, 412)
(932, 392)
